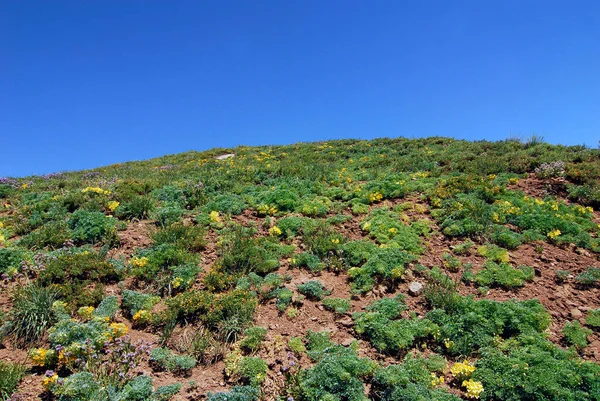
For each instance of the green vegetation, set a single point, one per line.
(235, 260)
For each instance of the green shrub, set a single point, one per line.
(503, 275)
(533, 369)
(108, 307)
(380, 327)
(386, 266)
(190, 238)
(92, 227)
(226, 203)
(10, 377)
(338, 375)
(134, 301)
(237, 393)
(589, 277)
(321, 239)
(358, 252)
(506, 238)
(31, 314)
(167, 215)
(463, 248)
(79, 276)
(306, 259)
(313, 290)
(472, 325)
(284, 299)
(385, 227)
(337, 305)
(291, 226)
(253, 337)
(10, 259)
(410, 381)
(253, 370)
(139, 207)
(593, 319)
(296, 344)
(51, 235)
(242, 254)
(576, 335)
(165, 359)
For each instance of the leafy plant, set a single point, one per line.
(338, 305)
(10, 376)
(576, 335)
(313, 290)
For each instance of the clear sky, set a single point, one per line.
(90, 83)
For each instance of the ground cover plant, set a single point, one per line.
(389, 270)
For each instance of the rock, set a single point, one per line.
(346, 322)
(348, 341)
(226, 156)
(415, 288)
(576, 313)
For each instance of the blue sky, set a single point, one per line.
(90, 83)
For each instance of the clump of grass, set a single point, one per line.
(10, 376)
(31, 314)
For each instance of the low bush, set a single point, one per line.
(503, 275)
(253, 337)
(530, 368)
(337, 305)
(576, 335)
(338, 375)
(313, 290)
(92, 227)
(165, 359)
(10, 377)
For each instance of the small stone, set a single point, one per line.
(415, 288)
(320, 307)
(346, 322)
(348, 341)
(576, 313)
(313, 318)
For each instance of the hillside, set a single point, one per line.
(391, 270)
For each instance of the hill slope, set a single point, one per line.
(391, 269)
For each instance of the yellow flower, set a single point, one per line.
(96, 190)
(375, 197)
(436, 380)
(38, 356)
(554, 233)
(462, 370)
(274, 231)
(139, 262)
(335, 241)
(2, 239)
(1, 224)
(393, 230)
(86, 311)
(473, 388)
(513, 180)
(142, 316)
(177, 281)
(49, 381)
(492, 176)
(448, 343)
(112, 205)
(214, 216)
(118, 330)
